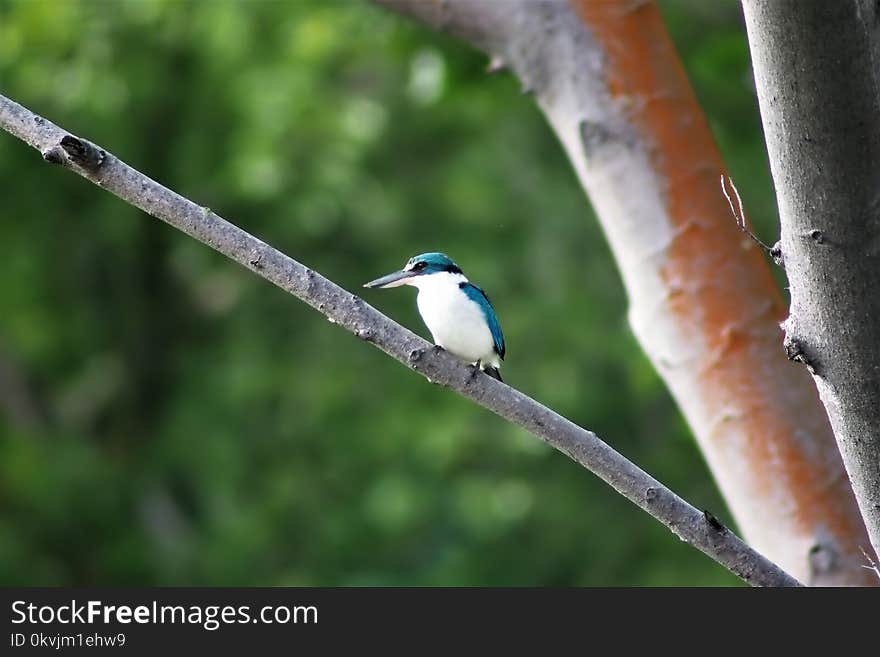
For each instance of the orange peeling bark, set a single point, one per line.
(767, 432)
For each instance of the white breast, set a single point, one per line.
(456, 323)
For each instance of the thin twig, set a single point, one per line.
(739, 215)
(352, 313)
(871, 565)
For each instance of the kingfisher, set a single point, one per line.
(458, 314)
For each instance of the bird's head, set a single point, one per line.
(424, 264)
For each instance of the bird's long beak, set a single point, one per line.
(391, 280)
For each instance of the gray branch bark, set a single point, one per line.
(695, 527)
(816, 71)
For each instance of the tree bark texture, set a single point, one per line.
(703, 303)
(816, 70)
(699, 529)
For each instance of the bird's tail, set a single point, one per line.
(494, 372)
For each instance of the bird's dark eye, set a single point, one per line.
(419, 266)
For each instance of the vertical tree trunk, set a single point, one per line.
(702, 301)
(816, 68)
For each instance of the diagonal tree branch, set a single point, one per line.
(697, 528)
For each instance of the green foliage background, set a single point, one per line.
(169, 418)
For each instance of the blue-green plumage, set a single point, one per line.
(457, 312)
(480, 298)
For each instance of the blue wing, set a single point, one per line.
(479, 297)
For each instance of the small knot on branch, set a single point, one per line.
(822, 559)
(310, 281)
(817, 236)
(82, 153)
(776, 254)
(651, 495)
(415, 356)
(713, 522)
(796, 351)
(256, 259)
(593, 135)
(53, 155)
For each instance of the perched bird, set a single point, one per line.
(458, 313)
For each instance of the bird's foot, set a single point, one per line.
(491, 371)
